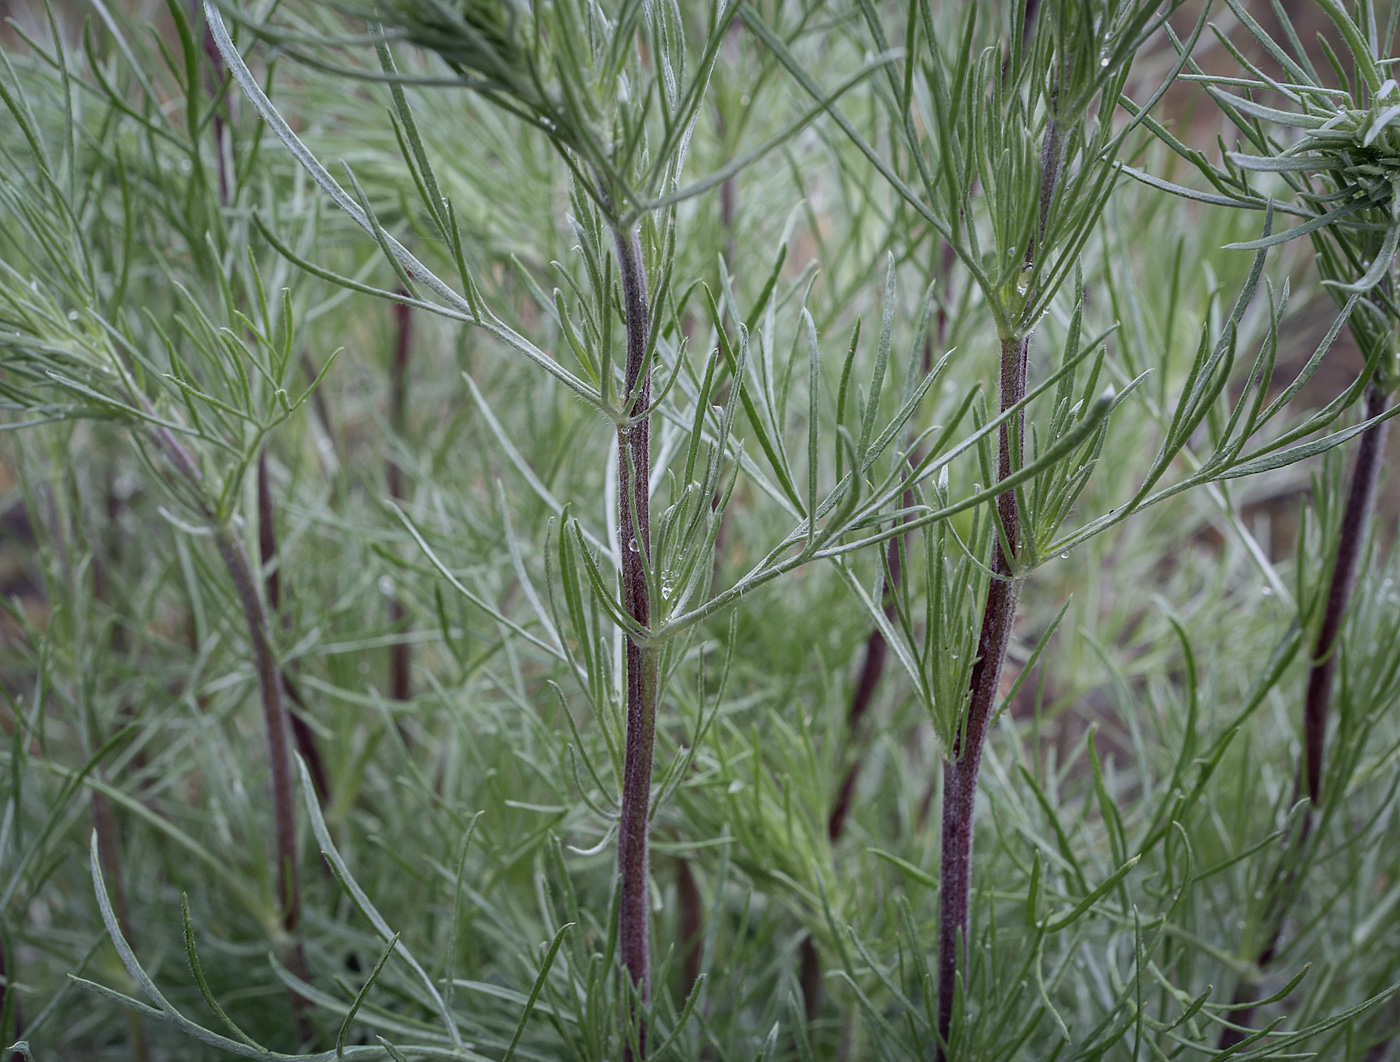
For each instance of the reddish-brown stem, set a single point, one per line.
(691, 909)
(1356, 521)
(809, 978)
(305, 737)
(634, 545)
(401, 653)
(961, 770)
(235, 557)
(267, 539)
(240, 567)
(216, 65)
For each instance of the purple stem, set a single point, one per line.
(634, 540)
(960, 772)
(692, 926)
(235, 557)
(1356, 521)
(240, 567)
(307, 744)
(216, 65)
(401, 653)
(998, 619)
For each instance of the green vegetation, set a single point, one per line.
(536, 531)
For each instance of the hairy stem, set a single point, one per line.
(634, 533)
(960, 772)
(1356, 522)
(307, 744)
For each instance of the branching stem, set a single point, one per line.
(998, 619)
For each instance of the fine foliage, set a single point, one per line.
(756, 529)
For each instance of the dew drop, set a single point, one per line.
(1103, 61)
(72, 315)
(1064, 556)
(386, 586)
(1267, 591)
(632, 546)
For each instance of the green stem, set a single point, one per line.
(109, 851)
